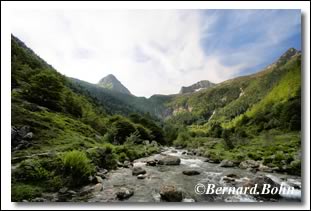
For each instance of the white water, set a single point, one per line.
(147, 190)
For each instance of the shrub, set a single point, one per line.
(103, 157)
(30, 170)
(77, 166)
(121, 129)
(134, 138)
(46, 89)
(24, 192)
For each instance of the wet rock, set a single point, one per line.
(173, 151)
(226, 163)
(170, 193)
(138, 170)
(141, 176)
(191, 172)
(261, 182)
(249, 164)
(190, 153)
(151, 163)
(91, 189)
(184, 152)
(169, 160)
(124, 193)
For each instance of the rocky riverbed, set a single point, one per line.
(175, 175)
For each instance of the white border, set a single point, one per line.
(6, 101)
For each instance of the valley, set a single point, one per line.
(76, 141)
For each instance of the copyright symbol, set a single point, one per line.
(200, 189)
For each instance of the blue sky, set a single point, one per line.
(158, 51)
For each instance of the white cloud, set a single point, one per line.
(149, 51)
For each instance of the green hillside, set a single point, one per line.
(64, 129)
(55, 125)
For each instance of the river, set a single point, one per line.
(147, 189)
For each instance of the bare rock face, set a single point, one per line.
(170, 193)
(205, 84)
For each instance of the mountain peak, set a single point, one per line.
(288, 54)
(112, 83)
(205, 84)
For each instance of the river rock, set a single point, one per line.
(138, 170)
(169, 160)
(174, 151)
(91, 189)
(261, 181)
(151, 163)
(226, 163)
(264, 168)
(249, 164)
(124, 193)
(170, 193)
(191, 172)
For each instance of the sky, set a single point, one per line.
(158, 51)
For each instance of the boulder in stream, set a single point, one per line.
(138, 170)
(124, 193)
(151, 163)
(191, 172)
(169, 160)
(261, 182)
(170, 193)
